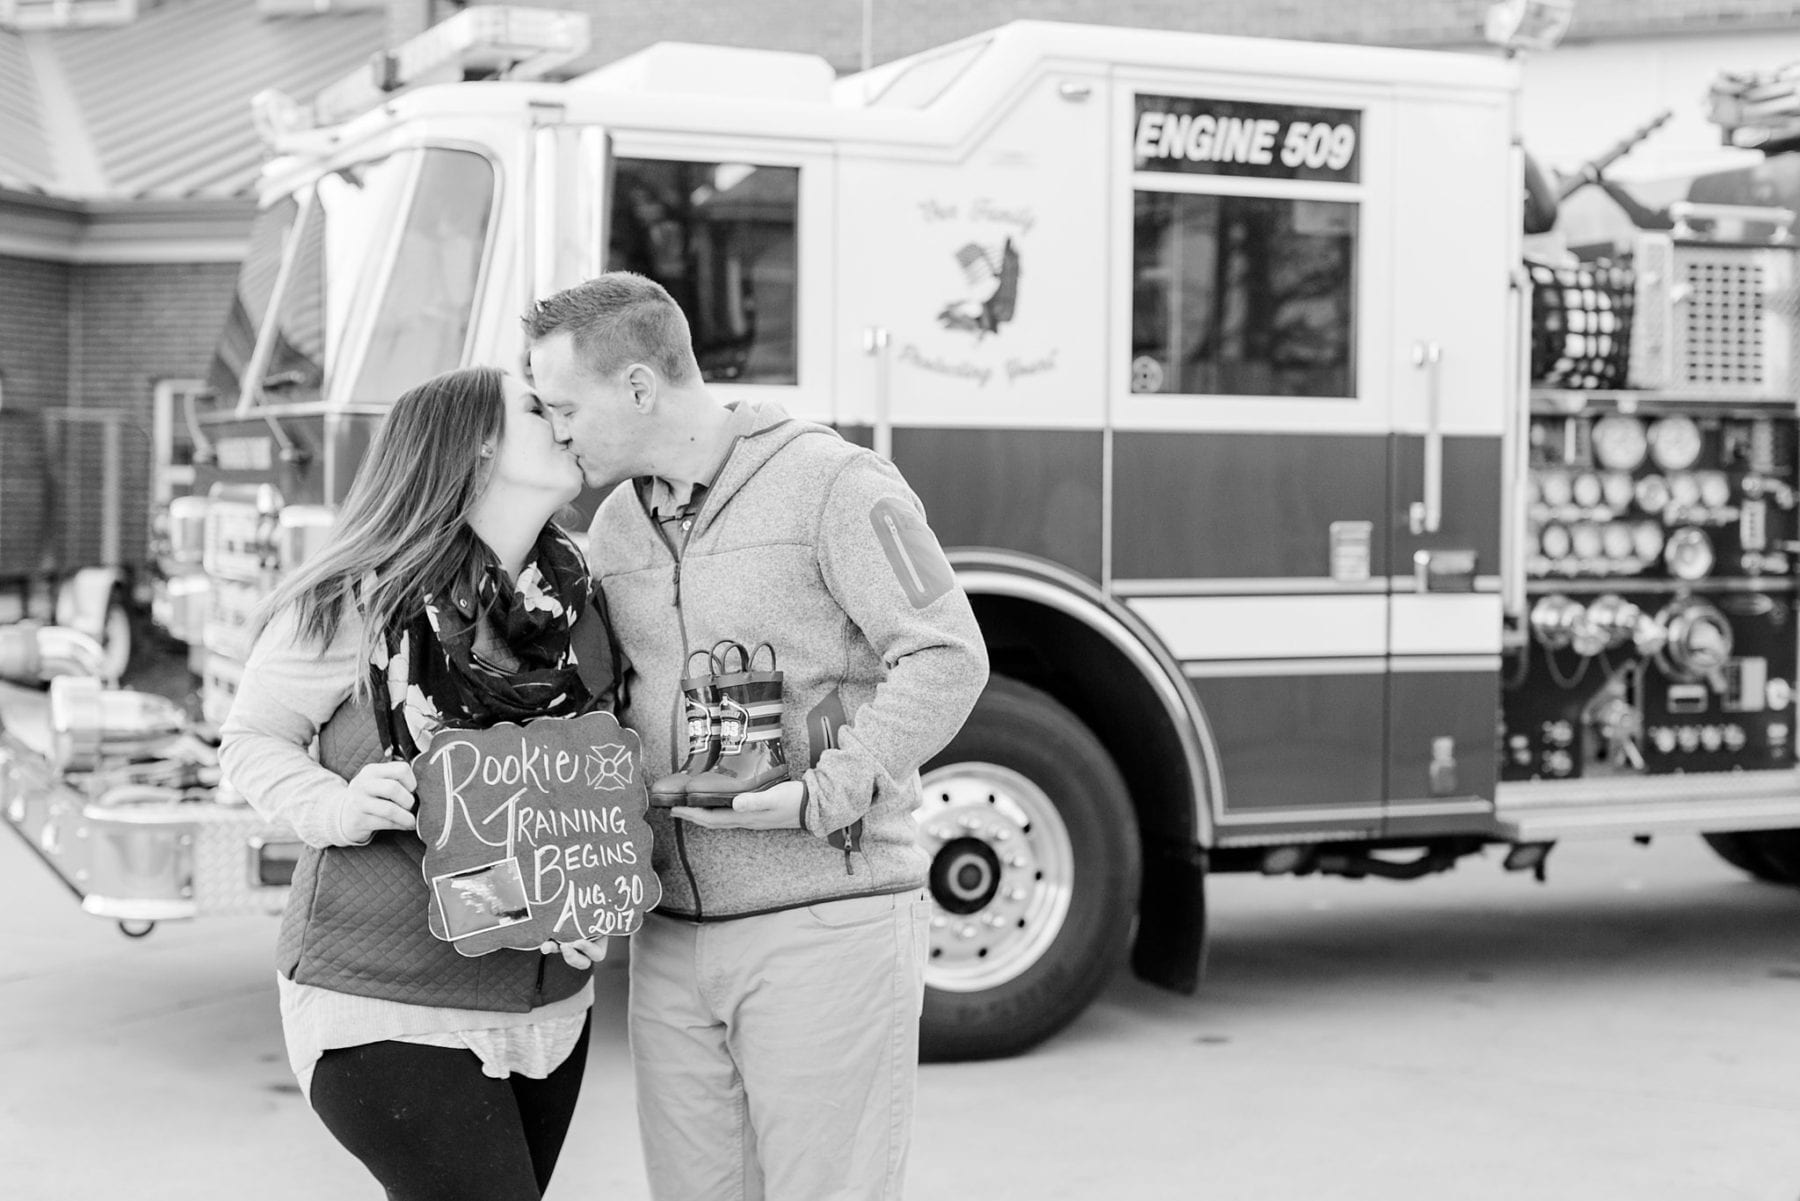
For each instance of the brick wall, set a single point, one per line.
(34, 333)
(833, 28)
(34, 371)
(130, 326)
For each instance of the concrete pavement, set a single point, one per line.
(1626, 1033)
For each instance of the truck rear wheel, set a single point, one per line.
(1770, 855)
(1035, 868)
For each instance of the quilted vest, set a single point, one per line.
(355, 919)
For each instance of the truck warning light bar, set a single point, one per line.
(485, 41)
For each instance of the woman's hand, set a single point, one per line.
(380, 798)
(580, 955)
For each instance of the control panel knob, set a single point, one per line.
(1699, 639)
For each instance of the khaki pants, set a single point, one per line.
(777, 1055)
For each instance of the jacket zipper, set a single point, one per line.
(905, 555)
(674, 751)
(675, 598)
(852, 841)
(689, 525)
(675, 554)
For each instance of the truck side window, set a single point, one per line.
(1243, 295)
(720, 237)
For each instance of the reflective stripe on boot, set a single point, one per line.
(700, 699)
(751, 755)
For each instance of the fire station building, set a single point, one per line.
(128, 159)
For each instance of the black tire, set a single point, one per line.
(1772, 856)
(120, 635)
(1048, 965)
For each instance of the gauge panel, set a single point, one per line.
(1662, 631)
(1565, 715)
(1620, 442)
(1675, 443)
(1725, 482)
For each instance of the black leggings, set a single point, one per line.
(432, 1127)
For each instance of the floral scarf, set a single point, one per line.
(435, 676)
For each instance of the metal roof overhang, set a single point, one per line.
(188, 230)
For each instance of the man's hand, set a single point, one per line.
(580, 955)
(776, 807)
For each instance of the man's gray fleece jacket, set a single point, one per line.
(818, 548)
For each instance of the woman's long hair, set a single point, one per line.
(407, 515)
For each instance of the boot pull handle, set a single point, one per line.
(760, 648)
(721, 661)
(692, 655)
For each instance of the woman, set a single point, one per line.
(445, 596)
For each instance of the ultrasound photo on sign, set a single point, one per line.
(482, 898)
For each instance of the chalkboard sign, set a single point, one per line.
(535, 833)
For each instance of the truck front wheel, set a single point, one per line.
(1035, 868)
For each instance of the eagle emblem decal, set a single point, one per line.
(993, 275)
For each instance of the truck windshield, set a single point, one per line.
(390, 248)
(255, 288)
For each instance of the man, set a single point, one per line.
(775, 994)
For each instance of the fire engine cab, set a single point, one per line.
(1300, 545)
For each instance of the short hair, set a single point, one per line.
(617, 319)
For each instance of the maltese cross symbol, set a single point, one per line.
(608, 766)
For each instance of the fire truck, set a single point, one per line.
(1303, 540)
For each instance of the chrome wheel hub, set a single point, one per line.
(1002, 867)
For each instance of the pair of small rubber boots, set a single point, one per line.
(733, 730)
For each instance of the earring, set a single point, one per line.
(487, 452)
